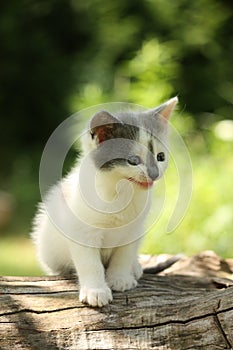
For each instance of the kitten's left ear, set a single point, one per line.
(102, 125)
(165, 110)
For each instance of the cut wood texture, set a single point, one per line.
(187, 306)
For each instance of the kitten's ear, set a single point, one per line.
(165, 110)
(102, 125)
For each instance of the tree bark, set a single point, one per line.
(187, 306)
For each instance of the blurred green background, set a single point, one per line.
(60, 56)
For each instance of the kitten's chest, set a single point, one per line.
(108, 206)
(128, 211)
(123, 199)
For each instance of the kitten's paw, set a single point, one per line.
(120, 282)
(95, 296)
(137, 270)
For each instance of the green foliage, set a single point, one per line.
(208, 221)
(60, 56)
(17, 257)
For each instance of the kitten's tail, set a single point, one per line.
(163, 265)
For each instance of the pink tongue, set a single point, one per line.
(146, 184)
(143, 184)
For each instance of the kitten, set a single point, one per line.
(92, 221)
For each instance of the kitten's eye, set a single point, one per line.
(134, 160)
(161, 157)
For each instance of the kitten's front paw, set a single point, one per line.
(121, 282)
(95, 296)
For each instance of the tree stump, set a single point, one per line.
(187, 306)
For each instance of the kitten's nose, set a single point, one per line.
(153, 172)
(152, 168)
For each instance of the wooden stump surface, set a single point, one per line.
(187, 306)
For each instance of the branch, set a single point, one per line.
(166, 311)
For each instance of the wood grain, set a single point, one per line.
(167, 311)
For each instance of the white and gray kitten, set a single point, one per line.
(93, 220)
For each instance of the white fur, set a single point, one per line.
(119, 233)
(93, 221)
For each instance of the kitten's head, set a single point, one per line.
(131, 145)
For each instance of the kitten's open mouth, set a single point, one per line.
(143, 184)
